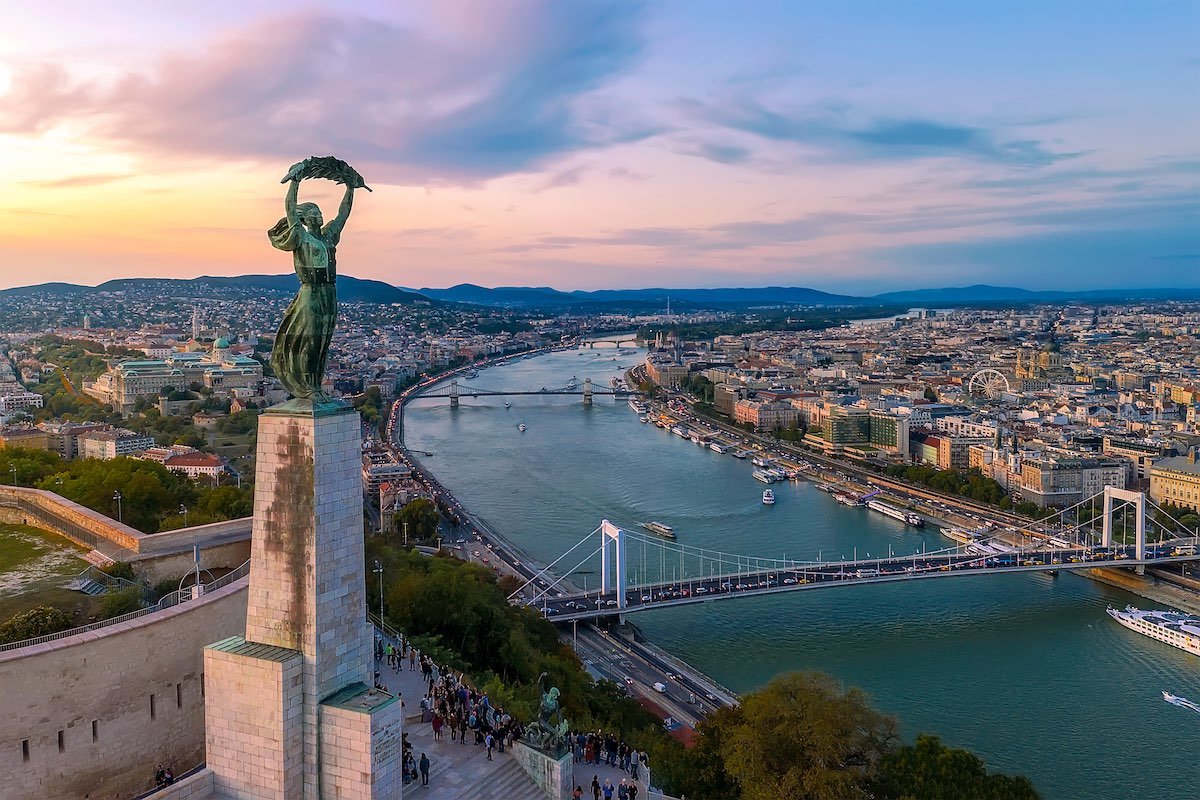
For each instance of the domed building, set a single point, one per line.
(221, 351)
(1039, 368)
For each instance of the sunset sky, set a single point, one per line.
(848, 146)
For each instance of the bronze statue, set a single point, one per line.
(549, 731)
(302, 342)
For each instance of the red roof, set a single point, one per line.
(195, 460)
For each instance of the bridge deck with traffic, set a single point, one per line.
(569, 606)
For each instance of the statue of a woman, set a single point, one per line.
(302, 342)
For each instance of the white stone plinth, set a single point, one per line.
(306, 556)
(253, 719)
(552, 775)
(289, 712)
(360, 745)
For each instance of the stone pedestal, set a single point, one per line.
(253, 719)
(360, 744)
(289, 710)
(553, 775)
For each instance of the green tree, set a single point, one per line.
(802, 737)
(31, 466)
(928, 770)
(422, 518)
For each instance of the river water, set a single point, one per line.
(1025, 670)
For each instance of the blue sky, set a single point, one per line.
(851, 146)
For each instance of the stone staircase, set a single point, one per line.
(98, 559)
(508, 782)
(87, 586)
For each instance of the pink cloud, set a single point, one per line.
(497, 92)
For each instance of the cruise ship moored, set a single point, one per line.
(1172, 627)
(896, 513)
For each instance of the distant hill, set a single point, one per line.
(982, 293)
(768, 294)
(501, 295)
(350, 289)
(544, 296)
(353, 289)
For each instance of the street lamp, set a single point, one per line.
(379, 571)
(183, 510)
(13, 469)
(117, 498)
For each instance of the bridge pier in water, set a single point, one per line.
(587, 391)
(454, 394)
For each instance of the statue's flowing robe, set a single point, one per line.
(302, 342)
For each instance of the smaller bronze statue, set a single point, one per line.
(549, 732)
(302, 343)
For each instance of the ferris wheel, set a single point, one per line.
(989, 383)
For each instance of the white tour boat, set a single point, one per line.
(1173, 627)
(659, 529)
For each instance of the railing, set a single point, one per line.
(166, 601)
(101, 577)
(388, 630)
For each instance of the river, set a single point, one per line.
(1025, 670)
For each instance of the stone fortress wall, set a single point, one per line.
(91, 715)
(155, 555)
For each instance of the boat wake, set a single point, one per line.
(1182, 702)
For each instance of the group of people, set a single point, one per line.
(605, 748)
(449, 702)
(394, 656)
(163, 777)
(627, 789)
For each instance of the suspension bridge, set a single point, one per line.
(456, 391)
(1115, 528)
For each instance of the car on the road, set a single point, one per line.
(475, 553)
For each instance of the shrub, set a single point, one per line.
(122, 601)
(40, 621)
(121, 569)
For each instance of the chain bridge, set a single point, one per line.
(456, 392)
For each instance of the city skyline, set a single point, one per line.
(590, 146)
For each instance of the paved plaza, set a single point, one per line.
(462, 771)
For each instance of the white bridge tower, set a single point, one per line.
(612, 572)
(1139, 526)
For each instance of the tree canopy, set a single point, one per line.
(422, 518)
(151, 494)
(929, 770)
(805, 738)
